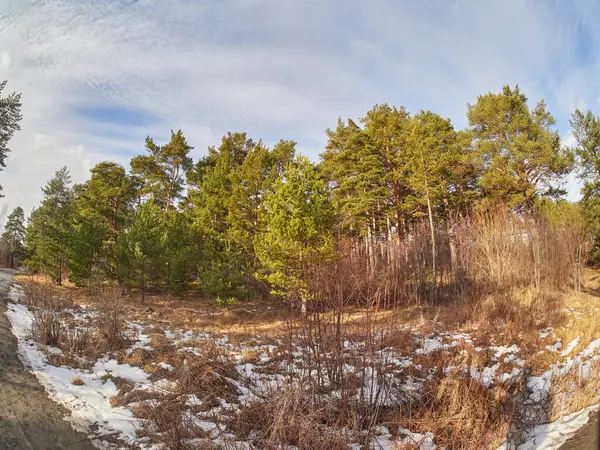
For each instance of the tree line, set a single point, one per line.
(249, 219)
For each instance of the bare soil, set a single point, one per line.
(586, 438)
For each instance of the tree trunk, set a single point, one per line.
(370, 250)
(433, 246)
(143, 289)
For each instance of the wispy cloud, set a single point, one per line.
(97, 77)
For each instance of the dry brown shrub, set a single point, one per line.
(45, 303)
(291, 417)
(461, 412)
(166, 421)
(208, 376)
(110, 322)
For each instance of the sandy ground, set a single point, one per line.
(28, 418)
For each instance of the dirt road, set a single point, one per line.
(28, 418)
(585, 439)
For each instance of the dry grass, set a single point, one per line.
(461, 412)
(573, 391)
(45, 303)
(165, 419)
(208, 377)
(291, 417)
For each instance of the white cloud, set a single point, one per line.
(277, 69)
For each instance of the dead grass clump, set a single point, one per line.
(139, 357)
(575, 390)
(291, 417)
(401, 341)
(250, 356)
(461, 412)
(128, 395)
(110, 322)
(77, 381)
(208, 376)
(167, 422)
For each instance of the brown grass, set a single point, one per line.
(461, 412)
(291, 417)
(45, 302)
(165, 420)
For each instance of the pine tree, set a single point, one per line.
(182, 252)
(10, 116)
(226, 191)
(14, 235)
(51, 227)
(431, 156)
(586, 129)
(297, 223)
(162, 172)
(103, 205)
(519, 150)
(108, 194)
(368, 169)
(140, 248)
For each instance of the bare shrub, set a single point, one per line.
(109, 322)
(344, 354)
(45, 303)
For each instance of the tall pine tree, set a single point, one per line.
(520, 151)
(50, 227)
(14, 235)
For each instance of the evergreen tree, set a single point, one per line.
(139, 249)
(431, 156)
(162, 172)
(226, 190)
(368, 169)
(10, 116)
(182, 252)
(519, 150)
(14, 235)
(586, 129)
(103, 205)
(109, 194)
(297, 221)
(50, 228)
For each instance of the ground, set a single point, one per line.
(586, 438)
(28, 418)
(193, 373)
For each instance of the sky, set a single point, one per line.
(97, 77)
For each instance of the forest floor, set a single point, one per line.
(188, 373)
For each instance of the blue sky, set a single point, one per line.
(98, 76)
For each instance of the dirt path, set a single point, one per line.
(28, 418)
(585, 439)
